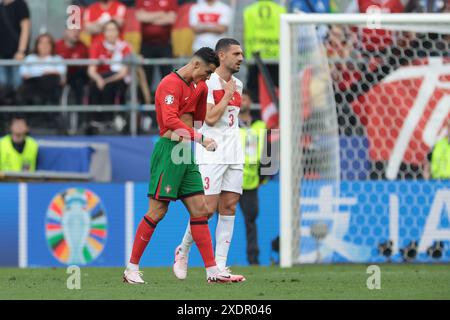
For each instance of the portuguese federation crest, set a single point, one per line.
(76, 226)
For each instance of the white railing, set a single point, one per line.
(133, 107)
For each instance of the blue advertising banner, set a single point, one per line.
(170, 231)
(410, 214)
(130, 156)
(80, 224)
(9, 224)
(94, 224)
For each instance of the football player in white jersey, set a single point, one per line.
(222, 170)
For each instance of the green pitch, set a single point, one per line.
(411, 281)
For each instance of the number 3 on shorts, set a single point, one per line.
(206, 183)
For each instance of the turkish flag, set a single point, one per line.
(269, 111)
(404, 112)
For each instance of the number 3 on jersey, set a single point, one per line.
(231, 118)
(206, 183)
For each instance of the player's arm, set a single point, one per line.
(169, 101)
(215, 111)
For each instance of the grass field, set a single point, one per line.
(306, 282)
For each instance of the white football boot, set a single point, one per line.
(225, 276)
(133, 277)
(234, 277)
(180, 264)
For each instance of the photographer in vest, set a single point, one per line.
(253, 141)
(18, 152)
(439, 159)
(261, 32)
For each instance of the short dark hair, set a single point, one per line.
(208, 55)
(19, 117)
(225, 43)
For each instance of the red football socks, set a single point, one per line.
(202, 237)
(143, 235)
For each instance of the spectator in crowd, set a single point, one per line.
(157, 18)
(253, 140)
(70, 47)
(98, 14)
(43, 81)
(210, 20)
(438, 164)
(18, 152)
(15, 35)
(380, 51)
(182, 34)
(109, 81)
(392, 6)
(261, 34)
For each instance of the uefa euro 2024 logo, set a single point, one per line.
(76, 226)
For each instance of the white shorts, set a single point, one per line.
(221, 177)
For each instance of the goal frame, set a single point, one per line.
(286, 103)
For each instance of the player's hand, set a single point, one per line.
(209, 144)
(230, 88)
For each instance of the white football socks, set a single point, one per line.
(211, 271)
(132, 266)
(187, 242)
(224, 234)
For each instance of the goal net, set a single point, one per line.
(361, 98)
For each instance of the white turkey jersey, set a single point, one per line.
(226, 130)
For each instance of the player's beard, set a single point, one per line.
(233, 69)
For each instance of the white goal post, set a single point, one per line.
(291, 170)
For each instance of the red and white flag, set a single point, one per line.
(269, 111)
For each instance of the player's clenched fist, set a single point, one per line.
(230, 88)
(209, 144)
